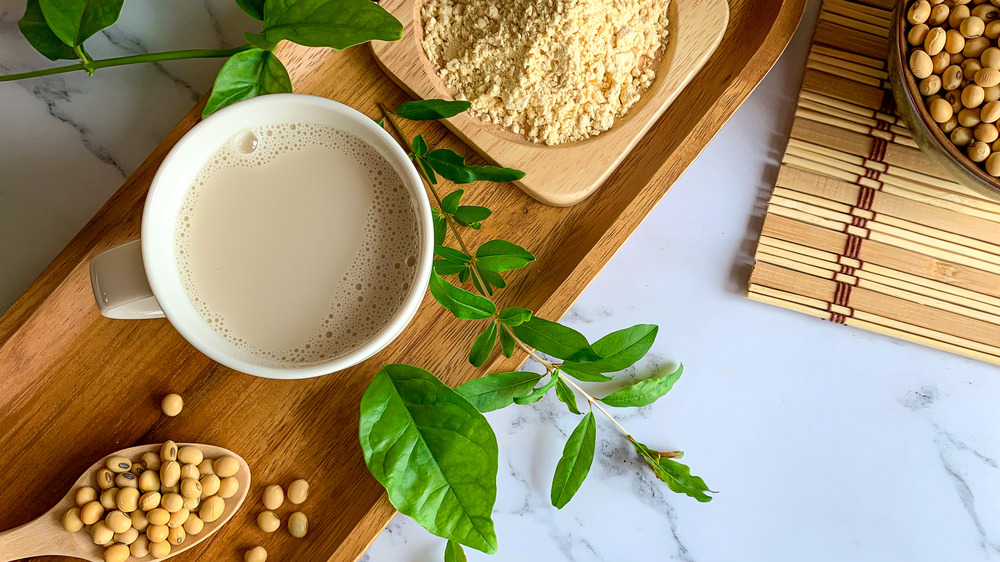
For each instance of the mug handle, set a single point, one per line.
(120, 285)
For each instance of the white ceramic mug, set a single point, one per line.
(141, 279)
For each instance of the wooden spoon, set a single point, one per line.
(46, 536)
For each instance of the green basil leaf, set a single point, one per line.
(431, 110)
(73, 21)
(36, 30)
(507, 343)
(451, 165)
(450, 202)
(577, 457)
(453, 552)
(555, 339)
(338, 24)
(565, 395)
(451, 254)
(483, 345)
(643, 393)
(434, 452)
(498, 390)
(493, 279)
(419, 145)
(440, 230)
(254, 8)
(501, 255)
(431, 177)
(443, 267)
(583, 376)
(620, 350)
(247, 74)
(677, 476)
(460, 302)
(515, 316)
(471, 216)
(536, 394)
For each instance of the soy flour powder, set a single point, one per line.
(552, 70)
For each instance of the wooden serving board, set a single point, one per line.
(77, 386)
(564, 174)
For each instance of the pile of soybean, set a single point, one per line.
(148, 506)
(956, 60)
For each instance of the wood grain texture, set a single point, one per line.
(565, 174)
(77, 385)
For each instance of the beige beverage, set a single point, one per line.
(297, 242)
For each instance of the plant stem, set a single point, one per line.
(551, 368)
(92, 65)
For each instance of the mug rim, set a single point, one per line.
(159, 266)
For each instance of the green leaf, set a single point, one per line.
(507, 343)
(565, 395)
(484, 290)
(677, 476)
(483, 345)
(431, 177)
(515, 316)
(434, 452)
(440, 230)
(451, 254)
(464, 276)
(452, 166)
(577, 457)
(430, 110)
(536, 394)
(36, 30)
(245, 75)
(338, 24)
(380, 122)
(583, 376)
(460, 302)
(73, 21)
(471, 216)
(419, 145)
(501, 255)
(643, 393)
(254, 8)
(450, 202)
(493, 279)
(453, 552)
(498, 390)
(620, 350)
(555, 339)
(443, 267)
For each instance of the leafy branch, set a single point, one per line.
(58, 29)
(429, 445)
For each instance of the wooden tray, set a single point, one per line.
(564, 174)
(77, 385)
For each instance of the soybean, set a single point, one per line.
(139, 521)
(126, 480)
(176, 536)
(986, 132)
(956, 15)
(116, 553)
(190, 455)
(919, 12)
(968, 117)
(298, 491)
(228, 487)
(158, 516)
(151, 461)
(918, 34)
(149, 481)
(274, 496)
(255, 554)
(140, 548)
(212, 509)
(972, 96)
(168, 451)
(172, 502)
(159, 549)
(209, 485)
(298, 524)
(109, 498)
(934, 41)
(128, 537)
(193, 525)
(226, 466)
(84, 495)
(192, 504)
(118, 522)
(172, 404)
(178, 518)
(71, 520)
(921, 64)
(105, 479)
(190, 471)
(972, 27)
(930, 85)
(118, 464)
(91, 513)
(101, 533)
(127, 499)
(207, 466)
(268, 521)
(170, 474)
(157, 533)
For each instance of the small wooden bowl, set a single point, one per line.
(926, 132)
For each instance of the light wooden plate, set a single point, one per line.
(568, 173)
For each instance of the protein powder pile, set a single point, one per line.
(552, 70)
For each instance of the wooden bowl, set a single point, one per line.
(926, 132)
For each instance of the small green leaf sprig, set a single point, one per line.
(58, 29)
(429, 445)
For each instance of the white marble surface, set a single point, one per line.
(825, 442)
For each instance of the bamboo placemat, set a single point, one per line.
(862, 229)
